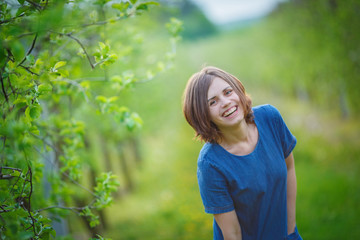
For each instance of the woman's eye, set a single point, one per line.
(228, 91)
(212, 102)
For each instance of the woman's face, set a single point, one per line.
(224, 104)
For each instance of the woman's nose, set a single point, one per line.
(225, 102)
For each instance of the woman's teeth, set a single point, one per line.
(229, 112)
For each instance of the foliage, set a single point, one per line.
(321, 51)
(46, 89)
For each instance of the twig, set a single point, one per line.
(11, 168)
(30, 50)
(74, 209)
(13, 90)
(69, 35)
(46, 143)
(83, 48)
(29, 201)
(29, 196)
(3, 88)
(105, 22)
(8, 176)
(63, 173)
(12, 188)
(28, 69)
(4, 210)
(25, 34)
(4, 141)
(72, 82)
(63, 207)
(37, 6)
(10, 19)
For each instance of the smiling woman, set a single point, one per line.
(200, 97)
(246, 170)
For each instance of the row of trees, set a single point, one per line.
(59, 100)
(320, 46)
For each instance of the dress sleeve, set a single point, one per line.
(288, 140)
(213, 189)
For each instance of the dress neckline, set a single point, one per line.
(249, 154)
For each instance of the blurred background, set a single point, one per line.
(302, 56)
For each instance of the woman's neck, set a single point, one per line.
(240, 140)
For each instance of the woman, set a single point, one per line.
(246, 171)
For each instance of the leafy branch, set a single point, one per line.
(69, 35)
(39, 96)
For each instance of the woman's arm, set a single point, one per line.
(291, 193)
(229, 225)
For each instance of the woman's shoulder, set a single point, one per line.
(265, 110)
(206, 151)
(207, 154)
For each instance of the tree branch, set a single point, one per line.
(4, 210)
(105, 22)
(3, 88)
(28, 69)
(9, 82)
(29, 201)
(30, 49)
(34, 4)
(72, 82)
(83, 48)
(10, 19)
(12, 188)
(74, 209)
(25, 34)
(63, 173)
(69, 35)
(28, 208)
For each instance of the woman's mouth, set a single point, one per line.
(230, 111)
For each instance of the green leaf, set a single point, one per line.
(44, 88)
(17, 49)
(34, 130)
(104, 48)
(145, 6)
(133, 1)
(116, 78)
(137, 119)
(122, 7)
(19, 100)
(101, 99)
(102, 45)
(112, 99)
(59, 64)
(31, 59)
(35, 111)
(160, 66)
(175, 26)
(27, 114)
(63, 72)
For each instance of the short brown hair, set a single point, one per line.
(195, 106)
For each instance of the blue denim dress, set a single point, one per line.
(253, 185)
